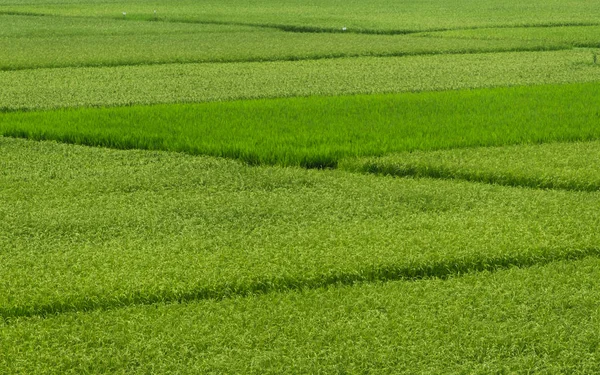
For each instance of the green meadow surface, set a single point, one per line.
(88, 228)
(332, 15)
(321, 131)
(177, 83)
(542, 319)
(571, 166)
(42, 42)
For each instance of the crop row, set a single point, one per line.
(320, 131)
(541, 319)
(88, 228)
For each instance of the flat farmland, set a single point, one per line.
(299, 187)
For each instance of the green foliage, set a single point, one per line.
(320, 131)
(87, 228)
(541, 319)
(570, 166)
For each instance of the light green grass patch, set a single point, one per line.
(577, 36)
(541, 319)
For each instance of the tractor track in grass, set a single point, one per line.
(384, 273)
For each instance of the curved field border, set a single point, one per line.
(329, 15)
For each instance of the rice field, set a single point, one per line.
(566, 166)
(299, 187)
(318, 132)
(50, 42)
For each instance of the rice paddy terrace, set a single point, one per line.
(289, 186)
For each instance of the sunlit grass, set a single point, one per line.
(177, 83)
(332, 15)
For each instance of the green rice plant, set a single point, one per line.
(177, 83)
(43, 42)
(333, 15)
(321, 131)
(514, 321)
(89, 228)
(571, 166)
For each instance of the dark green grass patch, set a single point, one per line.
(85, 228)
(536, 320)
(178, 83)
(571, 166)
(320, 131)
